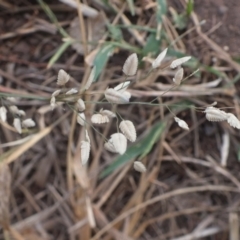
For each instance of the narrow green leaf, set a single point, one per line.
(152, 45)
(131, 6)
(52, 17)
(161, 10)
(143, 147)
(59, 52)
(102, 58)
(190, 6)
(115, 32)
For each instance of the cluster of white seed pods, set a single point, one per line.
(216, 115)
(18, 123)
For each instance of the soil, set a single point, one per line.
(224, 14)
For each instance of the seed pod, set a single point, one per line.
(3, 114)
(108, 113)
(15, 110)
(72, 91)
(85, 151)
(80, 105)
(90, 78)
(215, 115)
(17, 125)
(81, 119)
(128, 130)
(119, 142)
(157, 62)
(114, 96)
(179, 62)
(233, 121)
(99, 118)
(131, 64)
(122, 86)
(56, 93)
(28, 123)
(139, 166)
(110, 147)
(178, 76)
(63, 77)
(182, 124)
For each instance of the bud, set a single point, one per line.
(182, 124)
(131, 64)
(179, 62)
(139, 166)
(63, 78)
(3, 114)
(17, 125)
(128, 130)
(233, 121)
(114, 96)
(215, 115)
(178, 76)
(28, 123)
(157, 62)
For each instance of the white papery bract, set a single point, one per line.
(99, 118)
(215, 115)
(182, 124)
(28, 123)
(3, 114)
(80, 105)
(114, 96)
(107, 113)
(17, 125)
(56, 93)
(14, 109)
(81, 119)
(53, 102)
(90, 78)
(178, 76)
(139, 166)
(63, 77)
(122, 86)
(233, 121)
(128, 130)
(72, 91)
(110, 147)
(119, 142)
(179, 62)
(157, 62)
(85, 151)
(131, 64)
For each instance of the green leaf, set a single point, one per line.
(180, 21)
(102, 58)
(190, 6)
(143, 147)
(152, 45)
(161, 10)
(59, 52)
(115, 32)
(131, 6)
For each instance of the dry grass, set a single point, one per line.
(191, 187)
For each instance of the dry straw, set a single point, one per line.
(5, 189)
